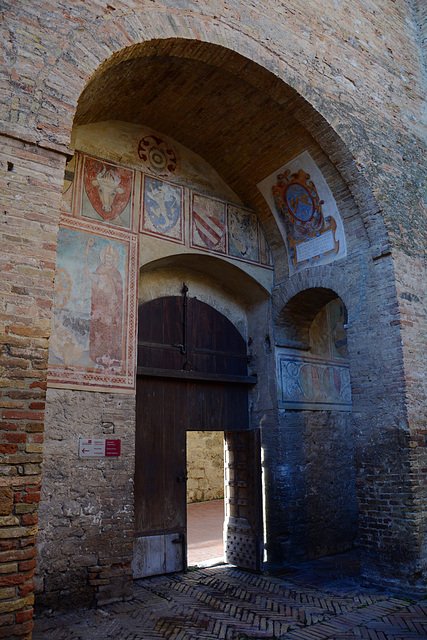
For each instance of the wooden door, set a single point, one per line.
(192, 375)
(160, 487)
(243, 500)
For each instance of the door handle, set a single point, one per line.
(182, 478)
(179, 540)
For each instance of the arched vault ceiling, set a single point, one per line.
(239, 119)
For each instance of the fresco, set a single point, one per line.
(306, 212)
(312, 383)
(328, 335)
(162, 210)
(243, 234)
(93, 319)
(228, 229)
(208, 224)
(116, 196)
(310, 235)
(265, 255)
(68, 188)
(105, 192)
(158, 156)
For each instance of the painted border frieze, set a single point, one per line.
(310, 383)
(93, 332)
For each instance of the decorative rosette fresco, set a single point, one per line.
(158, 155)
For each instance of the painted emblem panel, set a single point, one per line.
(243, 234)
(306, 212)
(162, 210)
(105, 192)
(208, 223)
(93, 331)
(68, 188)
(265, 255)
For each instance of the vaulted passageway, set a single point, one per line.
(215, 173)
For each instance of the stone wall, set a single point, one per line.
(205, 465)
(85, 543)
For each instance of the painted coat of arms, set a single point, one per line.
(243, 234)
(311, 235)
(107, 191)
(162, 214)
(208, 225)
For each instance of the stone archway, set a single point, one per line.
(22, 147)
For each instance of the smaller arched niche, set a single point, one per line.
(312, 363)
(315, 401)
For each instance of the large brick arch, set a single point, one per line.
(90, 43)
(94, 44)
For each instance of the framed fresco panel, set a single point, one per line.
(306, 212)
(208, 224)
(104, 192)
(310, 383)
(93, 334)
(243, 234)
(162, 212)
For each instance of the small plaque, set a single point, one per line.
(112, 448)
(99, 448)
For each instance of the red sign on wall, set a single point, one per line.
(99, 448)
(112, 448)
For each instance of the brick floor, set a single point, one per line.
(313, 601)
(205, 523)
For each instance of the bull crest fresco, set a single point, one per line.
(107, 187)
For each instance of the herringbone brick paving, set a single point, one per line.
(320, 600)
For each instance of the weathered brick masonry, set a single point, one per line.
(348, 83)
(31, 180)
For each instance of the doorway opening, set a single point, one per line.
(205, 498)
(192, 370)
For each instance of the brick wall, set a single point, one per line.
(31, 194)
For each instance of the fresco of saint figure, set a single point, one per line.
(106, 322)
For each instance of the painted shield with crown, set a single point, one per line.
(108, 187)
(297, 199)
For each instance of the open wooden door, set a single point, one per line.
(243, 525)
(160, 480)
(192, 375)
